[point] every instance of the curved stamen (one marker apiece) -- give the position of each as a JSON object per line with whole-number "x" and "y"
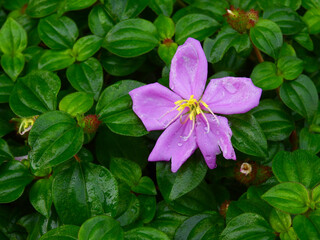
{"x": 207, "y": 107}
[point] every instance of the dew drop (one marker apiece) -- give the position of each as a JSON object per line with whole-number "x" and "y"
{"x": 179, "y": 144}
{"x": 230, "y": 88}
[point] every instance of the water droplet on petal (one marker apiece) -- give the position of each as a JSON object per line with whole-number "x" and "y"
{"x": 230, "y": 88}
{"x": 179, "y": 144}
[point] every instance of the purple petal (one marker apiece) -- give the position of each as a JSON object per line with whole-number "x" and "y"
{"x": 219, "y": 135}
{"x": 188, "y": 72}
{"x": 154, "y": 103}
{"x": 231, "y": 95}
{"x": 173, "y": 145}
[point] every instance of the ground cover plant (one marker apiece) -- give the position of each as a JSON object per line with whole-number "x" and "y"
{"x": 159, "y": 119}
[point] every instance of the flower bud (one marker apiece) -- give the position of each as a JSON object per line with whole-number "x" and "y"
{"x": 240, "y": 20}
{"x": 89, "y": 123}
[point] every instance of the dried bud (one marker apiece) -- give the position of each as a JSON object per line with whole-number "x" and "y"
{"x": 89, "y": 123}
{"x": 245, "y": 172}
{"x": 240, "y": 20}
{"x": 263, "y": 174}
{"x": 224, "y": 208}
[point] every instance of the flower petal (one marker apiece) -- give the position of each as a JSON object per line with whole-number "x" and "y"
{"x": 154, "y": 103}
{"x": 188, "y": 72}
{"x": 173, "y": 145}
{"x": 231, "y": 95}
{"x": 219, "y": 135}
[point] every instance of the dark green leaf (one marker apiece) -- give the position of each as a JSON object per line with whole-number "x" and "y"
{"x": 197, "y": 26}
{"x": 35, "y": 93}
{"x": 54, "y": 139}
{"x": 13, "y": 64}
{"x": 76, "y": 103}
{"x": 53, "y": 60}
{"x": 311, "y": 4}
{"x": 145, "y": 233}
{"x": 247, "y": 135}
{"x": 71, "y": 5}
{"x": 41, "y": 8}
{"x": 166, "y": 52}
{"x": 5, "y": 154}
{"x": 267, "y": 4}
{"x": 126, "y": 170}
{"x": 6, "y": 86}
{"x": 65, "y": 232}
{"x": 86, "y": 47}
{"x": 131, "y": 210}
{"x": 145, "y": 186}
{"x": 99, "y": 21}
{"x": 147, "y": 208}
{"x": 304, "y": 228}
{"x": 303, "y": 38}
{"x": 14, "y": 176}
{"x": 309, "y": 141}
{"x": 164, "y": 7}
{"x": 280, "y": 221}
{"x": 290, "y": 67}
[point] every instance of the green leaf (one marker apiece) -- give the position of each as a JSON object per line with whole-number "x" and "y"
{"x": 264, "y": 75}
{"x": 41, "y": 8}
{"x": 13, "y": 64}
{"x": 307, "y": 4}
{"x": 99, "y": 21}
{"x": 289, "y": 197}
{"x": 305, "y": 228}
{"x": 76, "y": 103}
{"x": 287, "y": 19}
{"x": 14, "y": 4}
{"x": 86, "y": 47}
{"x": 72, "y": 5}
{"x": 53, "y": 60}
{"x": 131, "y": 38}
{"x": 35, "y": 93}
{"x": 298, "y": 166}
{"x": 147, "y": 208}
{"x": 14, "y": 176}
{"x": 289, "y": 235}
{"x": 312, "y": 18}
{"x": 165, "y": 27}
{"x": 54, "y": 139}
{"x": 201, "y": 226}
{"x": 247, "y": 135}
{"x": 118, "y": 66}
{"x": 86, "y": 77}
{"x": 13, "y": 37}
{"x": 280, "y": 221}
{"x": 266, "y": 35}
{"x": 164, "y": 7}
{"x": 6, "y": 86}
{"x": 145, "y": 186}
{"x": 115, "y": 109}
{"x": 122, "y": 10}
{"x": 304, "y": 40}
{"x": 248, "y": 226}
{"x": 315, "y": 196}
{"x": 267, "y": 4}
{"x": 166, "y": 52}
{"x": 5, "y": 154}
{"x": 126, "y": 170}
{"x": 58, "y": 32}
{"x": 195, "y": 25}
{"x": 40, "y": 196}
{"x": 65, "y": 232}
{"x": 309, "y": 141}
{"x": 275, "y": 122}
{"x": 100, "y": 228}
{"x": 301, "y": 96}
{"x": 145, "y": 233}
{"x": 84, "y": 190}
{"x": 175, "y": 185}
{"x": 290, "y": 67}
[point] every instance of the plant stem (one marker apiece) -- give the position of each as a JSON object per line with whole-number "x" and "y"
{"x": 258, "y": 53}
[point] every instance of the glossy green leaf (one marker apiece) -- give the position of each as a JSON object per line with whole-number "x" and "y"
{"x": 280, "y": 221}
{"x": 309, "y": 141}
{"x": 41, "y": 8}
{"x": 5, "y": 154}
{"x": 175, "y": 185}
{"x": 289, "y": 235}
{"x": 71, "y": 5}
{"x": 84, "y": 190}
{"x": 76, "y": 103}
{"x": 86, "y": 77}
{"x": 165, "y": 27}
{"x": 201, "y": 226}
{"x": 100, "y": 228}
{"x": 131, "y": 38}
{"x": 13, "y": 37}
{"x": 115, "y": 109}
{"x": 246, "y": 226}
{"x": 274, "y": 120}
{"x": 289, "y": 197}
{"x": 86, "y": 47}
{"x": 247, "y": 135}
{"x": 54, "y": 138}
{"x": 14, "y": 4}
{"x": 14, "y": 176}
{"x": 99, "y": 21}
{"x": 145, "y": 186}
{"x": 122, "y": 10}
{"x": 40, "y": 196}
{"x": 197, "y": 26}
{"x": 311, "y": 4}
{"x": 305, "y": 228}
{"x": 164, "y": 7}
{"x": 312, "y": 18}
{"x": 147, "y": 208}
{"x": 303, "y": 38}
{"x": 266, "y": 35}
{"x": 265, "y": 76}
{"x": 6, "y": 86}
{"x": 53, "y": 60}
{"x": 118, "y": 66}
{"x": 126, "y": 170}
{"x": 287, "y": 19}
{"x": 58, "y": 32}
{"x": 315, "y": 196}
{"x": 301, "y": 96}
{"x": 13, "y": 64}
{"x": 290, "y": 67}
{"x": 166, "y": 52}
{"x": 267, "y": 4}
{"x": 65, "y": 232}
{"x": 131, "y": 210}
{"x": 35, "y": 93}
{"x": 145, "y": 233}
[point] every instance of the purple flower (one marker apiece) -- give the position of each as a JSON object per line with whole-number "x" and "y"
{"x": 187, "y": 113}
